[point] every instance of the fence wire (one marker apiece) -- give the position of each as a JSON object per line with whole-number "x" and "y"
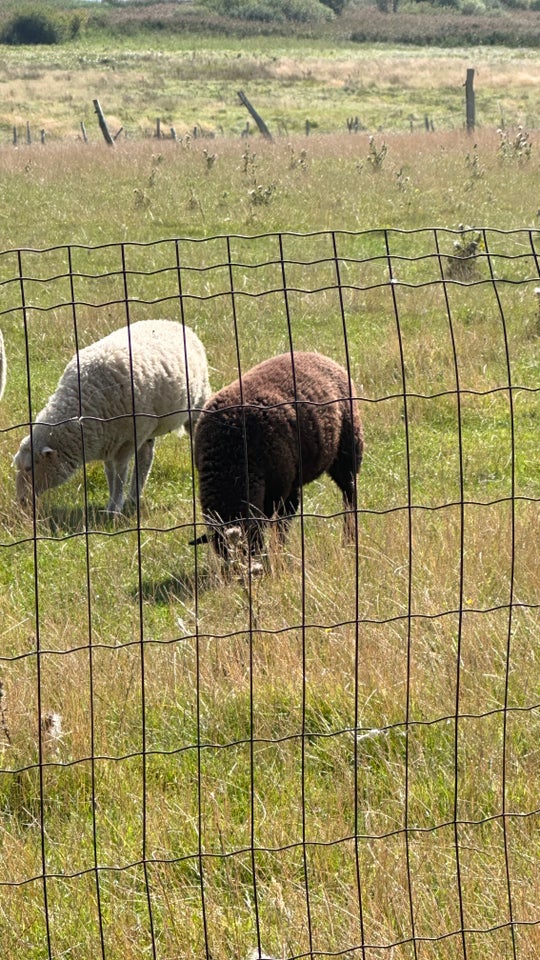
{"x": 334, "y": 757}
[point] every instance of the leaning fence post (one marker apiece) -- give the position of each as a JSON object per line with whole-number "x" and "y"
{"x": 83, "y": 131}
{"x": 257, "y": 118}
{"x": 102, "y": 123}
{"x": 469, "y": 100}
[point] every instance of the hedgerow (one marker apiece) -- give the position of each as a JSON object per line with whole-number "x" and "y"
{"x": 277, "y": 11}
{"x": 446, "y": 29}
{"x": 369, "y": 21}
{"x": 41, "y": 25}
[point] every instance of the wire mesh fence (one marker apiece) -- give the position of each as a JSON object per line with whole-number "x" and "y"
{"x": 335, "y": 753}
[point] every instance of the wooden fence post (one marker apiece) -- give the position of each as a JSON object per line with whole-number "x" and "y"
{"x": 469, "y": 100}
{"x": 102, "y": 123}
{"x": 257, "y": 118}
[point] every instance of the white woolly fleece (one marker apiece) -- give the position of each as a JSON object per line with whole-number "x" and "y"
{"x": 114, "y": 397}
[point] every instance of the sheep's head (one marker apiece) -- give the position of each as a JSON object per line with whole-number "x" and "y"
{"x": 238, "y": 543}
{"x": 42, "y": 474}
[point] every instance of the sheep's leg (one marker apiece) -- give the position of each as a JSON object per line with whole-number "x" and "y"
{"x": 286, "y": 510}
{"x": 116, "y": 473}
{"x": 145, "y": 456}
{"x": 345, "y": 479}
{"x": 344, "y": 473}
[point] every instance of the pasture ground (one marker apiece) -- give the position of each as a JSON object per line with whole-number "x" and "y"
{"x": 344, "y": 752}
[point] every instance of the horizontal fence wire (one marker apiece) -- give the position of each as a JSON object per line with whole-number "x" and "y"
{"x": 314, "y": 731}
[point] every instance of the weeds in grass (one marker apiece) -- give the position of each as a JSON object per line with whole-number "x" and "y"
{"x": 376, "y": 155}
{"x": 210, "y": 159}
{"x": 297, "y": 160}
{"x": 474, "y": 168}
{"x": 261, "y": 195}
{"x": 249, "y": 162}
{"x": 514, "y": 149}
{"x": 3, "y": 716}
{"x": 402, "y": 180}
{"x": 462, "y": 264}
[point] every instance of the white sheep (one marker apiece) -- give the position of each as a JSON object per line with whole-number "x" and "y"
{"x": 114, "y": 397}
{"x": 3, "y": 365}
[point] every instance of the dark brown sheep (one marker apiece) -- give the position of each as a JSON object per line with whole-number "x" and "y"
{"x": 293, "y": 417}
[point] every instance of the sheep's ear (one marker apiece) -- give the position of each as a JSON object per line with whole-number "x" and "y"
{"x": 48, "y": 452}
{"x": 202, "y": 539}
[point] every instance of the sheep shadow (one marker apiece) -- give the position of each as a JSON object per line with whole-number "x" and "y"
{"x": 181, "y": 587}
{"x": 70, "y": 520}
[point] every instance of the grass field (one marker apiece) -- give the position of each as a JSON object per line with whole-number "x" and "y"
{"x": 342, "y": 757}
{"x": 290, "y": 81}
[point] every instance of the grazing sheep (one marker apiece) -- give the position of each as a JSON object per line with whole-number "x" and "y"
{"x": 294, "y": 426}
{"x": 137, "y": 370}
{"x": 3, "y": 365}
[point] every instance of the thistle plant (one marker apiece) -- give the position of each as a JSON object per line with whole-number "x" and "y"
{"x": 248, "y": 161}
{"x": 461, "y": 265}
{"x": 516, "y": 148}
{"x": 472, "y": 162}
{"x": 402, "y": 180}
{"x": 210, "y": 159}
{"x": 261, "y": 195}
{"x": 376, "y": 155}
{"x": 297, "y": 160}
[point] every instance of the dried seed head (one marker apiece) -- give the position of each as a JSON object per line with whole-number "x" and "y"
{"x": 51, "y": 726}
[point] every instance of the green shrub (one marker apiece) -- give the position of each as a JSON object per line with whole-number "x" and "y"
{"x": 448, "y": 29}
{"x": 337, "y": 6}
{"x": 272, "y": 11}
{"x": 32, "y": 25}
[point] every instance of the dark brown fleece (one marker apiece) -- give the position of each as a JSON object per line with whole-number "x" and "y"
{"x": 292, "y": 426}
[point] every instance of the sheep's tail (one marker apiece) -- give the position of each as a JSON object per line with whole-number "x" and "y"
{"x": 3, "y": 365}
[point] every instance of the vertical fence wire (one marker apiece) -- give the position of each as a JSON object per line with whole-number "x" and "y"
{"x": 356, "y": 722}
{"x": 91, "y": 690}
{"x": 200, "y": 859}
{"x": 304, "y": 728}
{"x": 410, "y": 562}
{"x": 504, "y": 757}
{"x": 142, "y": 638}
{"x": 38, "y": 646}
{"x": 459, "y": 421}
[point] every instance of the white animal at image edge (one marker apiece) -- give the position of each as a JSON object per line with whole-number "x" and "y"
{"x": 115, "y": 396}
